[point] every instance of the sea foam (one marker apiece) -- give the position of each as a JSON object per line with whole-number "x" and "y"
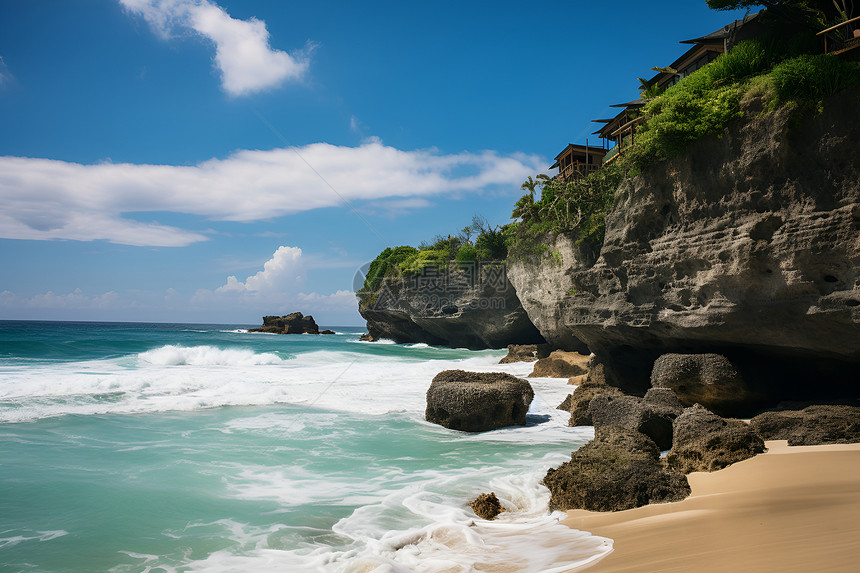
{"x": 172, "y": 355}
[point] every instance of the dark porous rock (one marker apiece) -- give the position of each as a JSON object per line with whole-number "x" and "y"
{"x": 478, "y": 401}
{"x": 665, "y": 398}
{"x": 487, "y": 506}
{"x": 617, "y": 470}
{"x": 525, "y": 353}
{"x": 294, "y": 323}
{"x": 367, "y": 337}
{"x": 823, "y": 424}
{"x": 652, "y": 416}
{"x": 561, "y": 364}
{"x": 705, "y": 442}
{"x": 577, "y": 403}
{"x": 328, "y": 332}
{"x": 707, "y": 379}
{"x": 736, "y": 247}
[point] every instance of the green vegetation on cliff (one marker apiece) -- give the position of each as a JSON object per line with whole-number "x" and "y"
{"x": 444, "y": 252}
{"x": 779, "y": 68}
{"x": 776, "y": 68}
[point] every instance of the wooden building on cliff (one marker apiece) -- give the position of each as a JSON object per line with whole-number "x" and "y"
{"x": 577, "y": 161}
{"x": 619, "y": 131}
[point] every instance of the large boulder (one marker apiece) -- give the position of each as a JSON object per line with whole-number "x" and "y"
{"x": 652, "y": 416}
{"x": 293, "y": 323}
{"x": 525, "y": 353}
{"x": 478, "y": 401}
{"x": 707, "y": 379}
{"x": 705, "y": 442}
{"x": 617, "y": 470}
{"x": 822, "y": 424}
{"x": 561, "y": 364}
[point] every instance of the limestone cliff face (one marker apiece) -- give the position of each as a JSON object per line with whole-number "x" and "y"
{"x": 475, "y": 307}
{"x": 748, "y": 245}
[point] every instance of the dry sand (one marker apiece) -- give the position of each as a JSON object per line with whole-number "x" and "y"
{"x": 790, "y": 509}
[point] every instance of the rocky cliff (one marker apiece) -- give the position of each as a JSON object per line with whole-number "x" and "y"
{"x": 472, "y": 307}
{"x": 747, "y": 246}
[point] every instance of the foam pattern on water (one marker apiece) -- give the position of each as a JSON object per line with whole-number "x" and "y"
{"x": 326, "y": 463}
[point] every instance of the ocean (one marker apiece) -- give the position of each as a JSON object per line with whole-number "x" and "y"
{"x": 130, "y": 447}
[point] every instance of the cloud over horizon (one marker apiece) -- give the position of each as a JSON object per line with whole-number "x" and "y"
{"x": 44, "y": 199}
{"x": 243, "y": 56}
{"x": 277, "y": 288}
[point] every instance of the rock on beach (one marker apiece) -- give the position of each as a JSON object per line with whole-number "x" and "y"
{"x": 478, "y": 401}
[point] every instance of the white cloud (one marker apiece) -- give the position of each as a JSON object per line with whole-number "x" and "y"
{"x": 242, "y": 53}
{"x": 276, "y": 288}
{"x": 340, "y": 300}
{"x": 394, "y": 208}
{"x": 282, "y": 272}
{"x": 48, "y": 199}
{"x": 49, "y": 300}
{"x": 5, "y": 75}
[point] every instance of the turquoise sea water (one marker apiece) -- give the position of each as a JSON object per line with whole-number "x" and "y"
{"x": 169, "y": 447}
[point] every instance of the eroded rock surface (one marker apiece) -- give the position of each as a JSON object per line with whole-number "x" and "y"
{"x": 617, "y": 470}
{"x": 705, "y": 442}
{"x": 746, "y": 246}
{"x": 525, "y": 353}
{"x": 814, "y": 425}
{"x": 561, "y": 364}
{"x": 478, "y": 401}
{"x": 473, "y": 308}
{"x": 707, "y": 379}
{"x": 652, "y": 416}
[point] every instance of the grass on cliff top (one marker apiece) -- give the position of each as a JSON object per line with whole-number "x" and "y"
{"x": 781, "y": 72}
{"x": 444, "y": 252}
{"x": 705, "y": 102}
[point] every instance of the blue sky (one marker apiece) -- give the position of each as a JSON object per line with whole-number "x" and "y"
{"x": 216, "y": 160}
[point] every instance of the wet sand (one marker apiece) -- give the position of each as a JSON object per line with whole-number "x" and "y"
{"x": 790, "y": 509}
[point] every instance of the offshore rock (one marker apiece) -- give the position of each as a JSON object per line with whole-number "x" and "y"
{"x": 294, "y": 323}
{"x": 478, "y": 401}
{"x": 705, "y": 442}
{"x": 822, "y": 424}
{"x": 475, "y": 307}
{"x": 748, "y": 246}
{"x": 617, "y": 470}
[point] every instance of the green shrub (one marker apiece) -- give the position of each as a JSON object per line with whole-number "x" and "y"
{"x": 450, "y": 244}
{"x": 467, "y": 254}
{"x": 492, "y": 245}
{"x": 577, "y": 206}
{"x": 387, "y": 263}
{"x": 424, "y": 259}
{"x": 808, "y": 79}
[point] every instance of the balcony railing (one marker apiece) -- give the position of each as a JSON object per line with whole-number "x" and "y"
{"x": 850, "y": 37}
{"x": 577, "y": 170}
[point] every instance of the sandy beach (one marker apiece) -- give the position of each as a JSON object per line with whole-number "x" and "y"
{"x": 790, "y": 509}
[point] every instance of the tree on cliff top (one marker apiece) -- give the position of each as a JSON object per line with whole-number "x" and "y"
{"x": 811, "y": 12}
